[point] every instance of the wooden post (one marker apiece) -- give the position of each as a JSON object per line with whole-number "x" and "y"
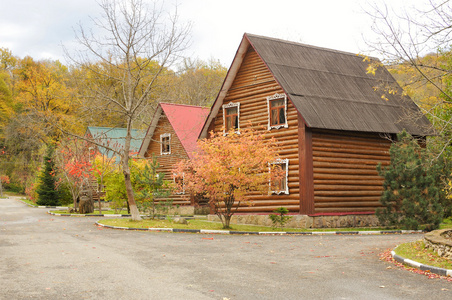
{"x": 306, "y": 172}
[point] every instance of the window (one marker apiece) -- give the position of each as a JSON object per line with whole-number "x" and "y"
{"x": 179, "y": 183}
{"x": 165, "y": 141}
{"x": 231, "y": 115}
{"x": 277, "y": 111}
{"x": 279, "y": 185}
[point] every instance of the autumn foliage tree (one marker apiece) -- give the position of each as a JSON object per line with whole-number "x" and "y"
{"x": 229, "y": 166}
{"x": 74, "y": 159}
{"x": 198, "y": 82}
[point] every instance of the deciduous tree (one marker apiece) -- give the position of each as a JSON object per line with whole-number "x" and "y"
{"x": 74, "y": 160}
{"x": 416, "y": 44}
{"x": 198, "y": 82}
{"x": 133, "y": 37}
{"x": 227, "y": 167}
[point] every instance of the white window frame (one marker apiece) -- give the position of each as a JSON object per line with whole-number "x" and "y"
{"x": 280, "y": 162}
{"x": 277, "y": 97}
{"x": 183, "y": 183}
{"x": 164, "y": 135}
{"x": 230, "y": 105}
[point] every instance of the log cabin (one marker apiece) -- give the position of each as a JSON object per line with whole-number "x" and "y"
{"x": 332, "y": 119}
{"x": 113, "y": 138}
{"x": 171, "y": 137}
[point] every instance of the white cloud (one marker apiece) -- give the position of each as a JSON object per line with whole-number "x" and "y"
{"x": 38, "y": 28}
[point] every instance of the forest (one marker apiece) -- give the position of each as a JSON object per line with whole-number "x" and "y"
{"x": 42, "y": 103}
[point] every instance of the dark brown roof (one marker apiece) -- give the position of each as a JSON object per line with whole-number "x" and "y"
{"x": 332, "y": 90}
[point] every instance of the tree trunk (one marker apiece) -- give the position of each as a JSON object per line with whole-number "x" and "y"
{"x": 86, "y": 205}
{"x": 135, "y": 214}
{"x": 98, "y": 201}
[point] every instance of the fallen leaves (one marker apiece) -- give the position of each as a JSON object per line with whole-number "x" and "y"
{"x": 386, "y": 256}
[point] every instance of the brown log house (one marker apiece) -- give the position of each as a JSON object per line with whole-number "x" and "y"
{"x": 332, "y": 119}
{"x": 171, "y": 137}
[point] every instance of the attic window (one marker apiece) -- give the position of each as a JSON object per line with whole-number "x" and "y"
{"x": 231, "y": 115}
{"x": 277, "y": 111}
{"x": 280, "y": 185}
{"x": 165, "y": 141}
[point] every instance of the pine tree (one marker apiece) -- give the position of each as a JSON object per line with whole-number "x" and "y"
{"x": 48, "y": 193}
{"x": 412, "y": 187}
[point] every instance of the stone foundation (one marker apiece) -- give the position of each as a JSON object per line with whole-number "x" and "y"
{"x": 440, "y": 241}
{"x": 304, "y": 221}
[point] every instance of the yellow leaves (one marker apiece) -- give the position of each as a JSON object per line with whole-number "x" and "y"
{"x": 365, "y": 57}
{"x": 371, "y": 69}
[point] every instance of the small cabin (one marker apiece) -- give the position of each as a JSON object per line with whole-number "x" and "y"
{"x": 171, "y": 137}
{"x": 114, "y": 138}
{"x": 332, "y": 120}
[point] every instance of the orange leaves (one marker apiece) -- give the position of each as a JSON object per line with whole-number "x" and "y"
{"x": 4, "y": 179}
{"x": 75, "y": 160}
{"x": 229, "y": 165}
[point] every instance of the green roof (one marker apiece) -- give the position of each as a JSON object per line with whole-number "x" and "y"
{"x": 115, "y": 138}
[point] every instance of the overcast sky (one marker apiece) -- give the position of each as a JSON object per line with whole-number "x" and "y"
{"x": 39, "y": 28}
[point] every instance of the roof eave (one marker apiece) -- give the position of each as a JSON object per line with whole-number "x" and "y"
{"x": 150, "y": 131}
{"x": 230, "y": 76}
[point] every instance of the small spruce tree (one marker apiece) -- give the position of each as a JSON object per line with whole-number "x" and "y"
{"x": 412, "y": 187}
{"x": 48, "y": 193}
{"x": 150, "y": 185}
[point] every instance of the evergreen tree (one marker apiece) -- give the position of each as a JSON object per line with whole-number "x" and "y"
{"x": 48, "y": 193}
{"x": 412, "y": 187}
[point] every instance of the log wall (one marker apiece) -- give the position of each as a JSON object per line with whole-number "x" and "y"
{"x": 344, "y": 169}
{"x": 167, "y": 161}
{"x": 251, "y": 87}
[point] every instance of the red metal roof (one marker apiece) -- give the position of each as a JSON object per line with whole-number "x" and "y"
{"x": 186, "y": 120}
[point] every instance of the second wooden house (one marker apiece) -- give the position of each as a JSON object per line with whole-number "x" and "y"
{"x": 332, "y": 120}
{"x": 171, "y": 137}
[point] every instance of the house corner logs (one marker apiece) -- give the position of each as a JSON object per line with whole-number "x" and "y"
{"x": 306, "y": 179}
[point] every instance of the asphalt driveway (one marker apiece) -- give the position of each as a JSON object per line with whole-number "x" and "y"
{"x": 48, "y": 257}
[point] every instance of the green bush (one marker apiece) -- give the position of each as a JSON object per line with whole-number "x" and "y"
{"x": 149, "y": 187}
{"x": 280, "y": 219}
{"x": 65, "y": 194}
{"x": 15, "y": 187}
{"x": 413, "y": 191}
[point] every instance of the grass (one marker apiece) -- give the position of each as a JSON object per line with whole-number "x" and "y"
{"x": 208, "y": 225}
{"x": 447, "y": 223}
{"x": 96, "y": 212}
{"x": 28, "y": 202}
{"x": 416, "y": 251}
{"x": 192, "y": 224}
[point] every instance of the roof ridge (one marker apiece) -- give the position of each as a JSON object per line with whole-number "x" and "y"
{"x": 306, "y": 45}
{"x": 179, "y": 104}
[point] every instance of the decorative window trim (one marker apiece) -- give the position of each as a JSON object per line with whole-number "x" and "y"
{"x": 164, "y": 135}
{"x": 280, "y": 162}
{"x": 230, "y": 105}
{"x": 277, "y": 97}
{"x": 183, "y": 183}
